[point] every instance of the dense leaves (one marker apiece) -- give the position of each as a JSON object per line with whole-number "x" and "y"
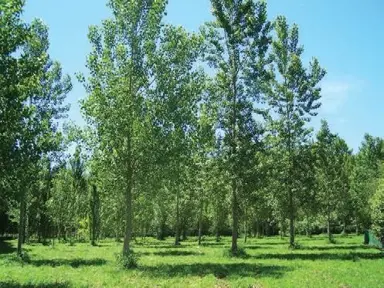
{"x": 187, "y": 134}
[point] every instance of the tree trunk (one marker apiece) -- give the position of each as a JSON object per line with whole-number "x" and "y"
{"x": 258, "y": 232}
{"x": 184, "y": 234}
{"x": 200, "y": 222}
{"x": 20, "y": 239}
{"x": 177, "y": 228}
{"x": 245, "y": 225}
{"x": 217, "y": 221}
{"x": 245, "y": 231}
{"x": 308, "y": 230}
{"x": 217, "y": 235}
{"x": 235, "y": 219}
{"x": 344, "y": 227}
{"x": 329, "y": 229}
{"x": 26, "y": 225}
{"x": 291, "y": 221}
{"x": 129, "y": 215}
{"x": 94, "y": 215}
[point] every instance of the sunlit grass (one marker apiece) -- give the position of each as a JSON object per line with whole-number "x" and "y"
{"x": 268, "y": 263}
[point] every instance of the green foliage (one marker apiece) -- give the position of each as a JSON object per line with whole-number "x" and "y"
{"x": 377, "y": 208}
{"x": 239, "y": 253}
{"x": 127, "y": 260}
{"x": 172, "y": 148}
{"x": 293, "y": 95}
{"x": 236, "y": 47}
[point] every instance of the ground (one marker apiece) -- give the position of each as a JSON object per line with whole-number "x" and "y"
{"x": 268, "y": 263}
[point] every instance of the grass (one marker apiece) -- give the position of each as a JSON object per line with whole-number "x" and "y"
{"x": 268, "y": 263}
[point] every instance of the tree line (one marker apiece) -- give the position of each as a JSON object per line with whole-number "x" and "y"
{"x": 205, "y": 133}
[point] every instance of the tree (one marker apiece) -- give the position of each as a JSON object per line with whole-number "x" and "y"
{"x": 94, "y": 215}
{"x": 377, "y": 212}
{"x": 237, "y": 43}
{"x": 294, "y": 97}
{"x": 119, "y": 78}
{"x": 364, "y": 178}
{"x": 333, "y": 183}
{"x": 37, "y": 132}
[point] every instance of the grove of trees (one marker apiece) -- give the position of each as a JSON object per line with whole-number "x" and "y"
{"x": 187, "y": 134}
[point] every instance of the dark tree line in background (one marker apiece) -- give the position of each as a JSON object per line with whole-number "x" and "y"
{"x": 172, "y": 148}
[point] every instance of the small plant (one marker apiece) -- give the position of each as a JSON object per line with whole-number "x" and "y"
{"x": 23, "y": 258}
{"x": 332, "y": 240}
{"x": 295, "y": 246}
{"x": 72, "y": 241}
{"x": 240, "y": 253}
{"x": 127, "y": 260}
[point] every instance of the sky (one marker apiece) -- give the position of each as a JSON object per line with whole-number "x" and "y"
{"x": 345, "y": 35}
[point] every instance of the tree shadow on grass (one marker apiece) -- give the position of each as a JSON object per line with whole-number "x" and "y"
{"x": 75, "y": 263}
{"x": 353, "y": 256}
{"x": 272, "y": 243}
{"x": 218, "y": 270}
{"x": 209, "y": 244}
{"x": 172, "y": 253}
{"x": 177, "y": 253}
{"x": 12, "y": 284}
{"x": 161, "y": 246}
{"x": 6, "y": 247}
{"x": 255, "y": 247}
{"x": 345, "y": 247}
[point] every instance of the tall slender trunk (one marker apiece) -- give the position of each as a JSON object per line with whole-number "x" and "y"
{"x": 329, "y": 227}
{"x": 217, "y": 234}
{"x": 291, "y": 220}
{"x": 184, "y": 234}
{"x": 217, "y": 221}
{"x": 94, "y": 216}
{"x": 245, "y": 231}
{"x": 308, "y": 229}
{"x": 177, "y": 228}
{"x": 26, "y": 225}
{"x": 129, "y": 214}
{"x": 245, "y": 225}
{"x": 200, "y": 221}
{"x": 258, "y": 232}
{"x": 235, "y": 220}
{"x": 344, "y": 227}
{"x": 20, "y": 239}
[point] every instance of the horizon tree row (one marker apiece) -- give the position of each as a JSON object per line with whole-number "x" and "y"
{"x": 172, "y": 147}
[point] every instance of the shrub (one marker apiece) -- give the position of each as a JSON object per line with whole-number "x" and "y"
{"x": 127, "y": 260}
{"x": 240, "y": 253}
{"x": 295, "y": 245}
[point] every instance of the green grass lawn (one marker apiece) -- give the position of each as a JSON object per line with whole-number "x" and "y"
{"x": 269, "y": 264}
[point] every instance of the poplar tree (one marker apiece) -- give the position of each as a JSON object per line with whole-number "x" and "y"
{"x": 237, "y": 44}
{"x": 294, "y": 97}
{"x": 117, "y": 104}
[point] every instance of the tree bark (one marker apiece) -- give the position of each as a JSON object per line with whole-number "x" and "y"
{"x": 344, "y": 227}
{"x": 200, "y": 221}
{"x": 177, "y": 228}
{"x": 245, "y": 231}
{"x": 93, "y": 215}
{"x": 308, "y": 230}
{"x": 129, "y": 215}
{"x": 291, "y": 220}
{"x": 20, "y": 239}
{"x": 235, "y": 220}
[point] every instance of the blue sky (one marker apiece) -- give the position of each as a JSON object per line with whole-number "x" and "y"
{"x": 345, "y": 35}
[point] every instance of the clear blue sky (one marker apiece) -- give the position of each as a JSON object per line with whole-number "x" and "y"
{"x": 345, "y": 35}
